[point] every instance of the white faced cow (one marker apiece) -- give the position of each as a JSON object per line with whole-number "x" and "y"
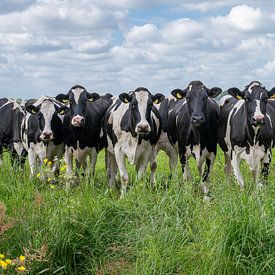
{"x": 133, "y": 127}
{"x": 42, "y": 131}
{"x": 245, "y": 131}
{"x": 11, "y": 114}
{"x": 192, "y": 128}
{"x": 82, "y": 125}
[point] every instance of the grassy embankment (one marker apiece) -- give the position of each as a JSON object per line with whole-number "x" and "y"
{"x": 86, "y": 230}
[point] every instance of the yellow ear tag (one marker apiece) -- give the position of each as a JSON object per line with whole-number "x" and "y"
{"x": 65, "y": 100}
{"x": 156, "y": 101}
{"x": 179, "y": 96}
{"x": 62, "y": 112}
{"x": 91, "y": 99}
{"x": 273, "y": 96}
{"x": 126, "y": 100}
{"x": 33, "y": 111}
{"x": 239, "y": 97}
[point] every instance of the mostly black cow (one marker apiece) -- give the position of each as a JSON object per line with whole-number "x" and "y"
{"x": 11, "y": 114}
{"x": 246, "y": 131}
{"x": 133, "y": 127}
{"x": 42, "y": 131}
{"x": 164, "y": 143}
{"x": 82, "y": 125}
{"x": 192, "y": 128}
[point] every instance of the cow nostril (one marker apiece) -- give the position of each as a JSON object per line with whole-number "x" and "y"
{"x": 143, "y": 128}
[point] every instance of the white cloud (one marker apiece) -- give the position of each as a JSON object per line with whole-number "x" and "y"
{"x": 49, "y": 45}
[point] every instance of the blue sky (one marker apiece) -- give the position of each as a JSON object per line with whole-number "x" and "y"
{"x": 47, "y": 46}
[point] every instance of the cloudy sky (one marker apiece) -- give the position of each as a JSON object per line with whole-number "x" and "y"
{"x": 47, "y": 46}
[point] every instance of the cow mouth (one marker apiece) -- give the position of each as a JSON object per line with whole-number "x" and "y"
{"x": 143, "y": 133}
{"x": 77, "y": 125}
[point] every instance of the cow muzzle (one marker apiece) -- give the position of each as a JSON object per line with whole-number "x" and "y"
{"x": 78, "y": 121}
{"x": 258, "y": 120}
{"x": 46, "y": 136}
{"x": 143, "y": 128}
{"x": 197, "y": 120}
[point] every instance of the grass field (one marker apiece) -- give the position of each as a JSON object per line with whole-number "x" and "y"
{"x": 87, "y": 230}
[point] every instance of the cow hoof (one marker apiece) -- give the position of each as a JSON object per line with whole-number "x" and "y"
{"x": 206, "y": 198}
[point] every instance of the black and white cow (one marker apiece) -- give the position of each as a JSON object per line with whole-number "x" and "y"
{"x": 192, "y": 128}
{"x": 164, "y": 143}
{"x": 133, "y": 127}
{"x": 270, "y": 110}
{"x": 11, "y": 115}
{"x": 245, "y": 131}
{"x": 82, "y": 126}
{"x": 42, "y": 131}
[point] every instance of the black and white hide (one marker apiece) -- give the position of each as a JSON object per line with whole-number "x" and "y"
{"x": 192, "y": 128}
{"x": 42, "y": 132}
{"x": 82, "y": 126}
{"x": 11, "y": 115}
{"x": 246, "y": 131}
{"x": 133, "y": 127}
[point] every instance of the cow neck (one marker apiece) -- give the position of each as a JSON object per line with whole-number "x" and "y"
{"x": 194, "y": 135}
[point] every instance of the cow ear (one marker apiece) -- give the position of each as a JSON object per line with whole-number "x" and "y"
{"x": 178, "y": 93}
{"x": 32, "y": 109}
{"x": 62, "y": 110}
{"x": 214, "y": 92}
{"x": 157, "y": 98}
{"x": 124, "y": 97}
{"x": 271, "y": 93}
{"x": 62, "y": 98}
{"x": 235, "y": 92}
{"x": 93, "y": 96}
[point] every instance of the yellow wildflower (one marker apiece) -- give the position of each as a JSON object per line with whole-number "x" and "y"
{"x": 21, "y": 268}
{"x": 45, "y": 160}
{"x": 49, "y": 179}
{"x": 52, "y": 186}
{"x": 8, "y": 261}
{"x": 4, "y": 265}
{"x": 50, "y": 163}
{"x": 2, "y": 256}
{"x": 38, "y": 175}
{"x": 63, "y": 168}
{"x": 22, "y": 258}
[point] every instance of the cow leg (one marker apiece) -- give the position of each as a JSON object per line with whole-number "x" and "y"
{"x": 68, "y": 160}
{"x": 236, "y": 160}
{"x": 173, "y": 159}
{"x": 183, "y": 162}
{"x": 209, "y": 162}
{"x": 1, "y": 154}
{"x": 32, "y": 160}
{"x": 93, "y": 159}
{"x": 153, "y": 166}
{"x": 112, "y": 169}
{"x": 120, "y": 159}
{"x": 265, "y": 167}
{"x": 227, "y": 167}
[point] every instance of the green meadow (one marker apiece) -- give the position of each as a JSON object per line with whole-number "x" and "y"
{"x": 162, "y": 229}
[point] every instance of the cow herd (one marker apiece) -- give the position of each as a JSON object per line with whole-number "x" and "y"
{"x": 137, "y": 124}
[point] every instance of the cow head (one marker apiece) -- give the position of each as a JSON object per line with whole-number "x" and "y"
{"x": 47, "y": 113}
{"x": 196, "y": 95}
{"x": 140, "y": 106}
{"x": 255, "y": 98}
{"x": 77, "y": 99}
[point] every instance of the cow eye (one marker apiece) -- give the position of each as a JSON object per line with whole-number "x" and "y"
{"x": 188, "y": 99}
{"x": 265, "y": 99}
{"x": 85, "y": 101}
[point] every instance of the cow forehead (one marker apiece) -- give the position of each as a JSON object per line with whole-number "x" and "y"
{"x": 47, "y": 108}
{"x": 142, "y": 96}
{"x": 253, "y": 85}
{"x": 76, "y": 92}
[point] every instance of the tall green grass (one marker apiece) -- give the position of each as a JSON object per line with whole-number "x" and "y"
{"x": 153, "y": 230}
